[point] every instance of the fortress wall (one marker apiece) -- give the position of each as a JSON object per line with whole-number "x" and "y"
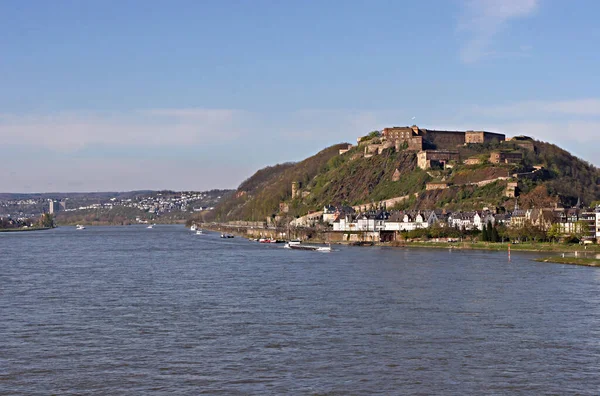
{"x": 444, "y": 139}
{"x": 398, "y": 133}
{"x": 483, "y": 137}
{"x": 415, "y": 143}
{"x": 424, "y": 158}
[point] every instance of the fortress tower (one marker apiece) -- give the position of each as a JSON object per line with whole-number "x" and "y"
{"x": 295, "y": 190}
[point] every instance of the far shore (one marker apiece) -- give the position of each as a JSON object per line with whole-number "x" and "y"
{"x": 25, "y": 229}
{"x": 109, "y": 224}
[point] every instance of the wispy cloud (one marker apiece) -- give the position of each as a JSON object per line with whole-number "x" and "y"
{"x": 205, "y": 148}
{"x": 184, "y": 127}
{"x": 69, "y": 131}
{"x": 163, "y": 148}
{"x": 483, "y": 20}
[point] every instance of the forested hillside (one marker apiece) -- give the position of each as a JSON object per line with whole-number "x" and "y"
{"x": 547, "y": 175}
{"x": 259, "y": 196}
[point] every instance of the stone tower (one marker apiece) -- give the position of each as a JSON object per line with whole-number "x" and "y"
{"x": 295, "y": 190}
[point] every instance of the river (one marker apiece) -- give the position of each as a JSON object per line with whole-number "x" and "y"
{"x": 130, "y": 310}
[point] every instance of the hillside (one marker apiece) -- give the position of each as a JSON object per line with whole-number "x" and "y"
{"x": 259, "y": 196}
{"x": 546, "y": 175}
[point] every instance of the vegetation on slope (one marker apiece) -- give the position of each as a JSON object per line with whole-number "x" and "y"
{"x": 570, "y": 177}
{"x": 547, "y": 175}
{"x": 259, "y": 196}
{"x": 347, "y": 180}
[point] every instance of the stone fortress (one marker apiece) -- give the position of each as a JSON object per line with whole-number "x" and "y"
{"x": 434, "y": 147}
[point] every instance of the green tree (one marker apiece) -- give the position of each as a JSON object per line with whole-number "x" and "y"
{"x": 47, "y": 220}
{"x": 502, "y": 231}
{"x": 484, "y": 234}
{"x": 581, "y": 230}
{"x": 553, "y": 233}
{"x": 493, "y": 232}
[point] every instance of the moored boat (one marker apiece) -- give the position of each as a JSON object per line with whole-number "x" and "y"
{"x": 299, "y": 246}
{"x": 79, "y": 227}
{"x": 194, "y": 227}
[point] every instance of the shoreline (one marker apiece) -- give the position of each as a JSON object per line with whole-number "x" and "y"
{"x": 582, "y": 261}
{"x": 109, "y": 224}
{"x": 25, "y": 229}
{"x": 499, "y": 247}
{"x": 536, "y": 247}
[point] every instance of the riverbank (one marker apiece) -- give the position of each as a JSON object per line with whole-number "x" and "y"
{"x": 500, "y": 247}
{"x": 320, "y": 237}
{"x": 588, "y": 262}
{"x": 115, "y": 224}
{"x": 25, "y": 229}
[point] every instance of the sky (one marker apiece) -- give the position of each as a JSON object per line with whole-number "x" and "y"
{"x": 193, "y": 95}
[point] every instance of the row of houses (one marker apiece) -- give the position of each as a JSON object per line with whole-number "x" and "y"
{"x": 412, "y": 220}
{"x": 578, "y": 220}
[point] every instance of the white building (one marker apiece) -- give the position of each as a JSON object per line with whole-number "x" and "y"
{"x": 329, "y": 214}
{"x": 598, "y": 222}
{"x": 411, "y": 221}
{"x": 462, "y": 220}
{"x": 344, "y": 223}
{"x": 481, "y": 219}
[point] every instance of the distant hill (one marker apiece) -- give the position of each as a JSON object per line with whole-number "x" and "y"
{"x": 75, "y": 195}
{"x": 547, "y": 175}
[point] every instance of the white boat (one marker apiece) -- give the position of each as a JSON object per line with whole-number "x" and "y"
{"x": 199, "y": 232}
{"x": 193, "y": 227}
{"x": 150, "y": 226}
{"x": 79, "y": 227}
{"x": 267, "y": 240}
{"x": 298, "y": 246}
{"x": 226, "y": 236}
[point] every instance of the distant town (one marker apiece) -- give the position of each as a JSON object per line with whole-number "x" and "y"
{"x": 140, "y": 206}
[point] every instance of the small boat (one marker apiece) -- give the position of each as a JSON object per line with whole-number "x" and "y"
{"x": 268, "y": 240}
{"x": 294, "y": 242}
{"x": 198, "y": 232}
{"x": 79, "y": 227}
{"x": 193, "y": 227}
{"x": 314, "y": 248}
{"x": 226, "y": 236}
{"x": 150, "y": 226}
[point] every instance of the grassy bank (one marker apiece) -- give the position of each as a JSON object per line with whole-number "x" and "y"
{"x": 588, "y": 262}
{"x": 24, "y": 229}
{"x": 523, "y": 247}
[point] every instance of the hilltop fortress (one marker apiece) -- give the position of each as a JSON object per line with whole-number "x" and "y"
{"x": 432, "y": 146}
{"x": 418, "y": 139}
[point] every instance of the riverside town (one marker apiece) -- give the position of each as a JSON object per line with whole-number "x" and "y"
{"x": 453, "y": 165}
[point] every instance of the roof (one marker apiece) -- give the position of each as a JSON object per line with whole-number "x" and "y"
{"x": 518, "y": 213}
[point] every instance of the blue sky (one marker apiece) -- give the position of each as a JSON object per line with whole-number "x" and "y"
{"x": 122, "y": 95}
